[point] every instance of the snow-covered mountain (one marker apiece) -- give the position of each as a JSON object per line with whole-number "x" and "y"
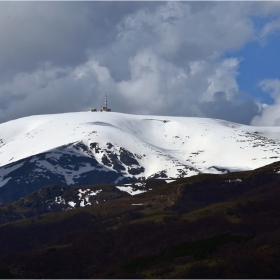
{"x": 101, "y": 147}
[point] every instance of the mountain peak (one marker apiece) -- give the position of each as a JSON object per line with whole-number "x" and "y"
{"x": 88, "y": 147}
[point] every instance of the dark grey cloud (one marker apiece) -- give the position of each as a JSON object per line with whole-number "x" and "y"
{"x": 161, "y": 58}
{"x": 35, "y": 32}
{"x": 239, "y": 110}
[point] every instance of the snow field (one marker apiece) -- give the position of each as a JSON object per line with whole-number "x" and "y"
{"x": 159, "y": 143}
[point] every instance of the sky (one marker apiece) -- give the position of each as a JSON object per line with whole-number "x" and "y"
{"x": 191, "y": 59}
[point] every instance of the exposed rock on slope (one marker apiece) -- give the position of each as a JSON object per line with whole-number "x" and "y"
{"x": 91, "y": 148}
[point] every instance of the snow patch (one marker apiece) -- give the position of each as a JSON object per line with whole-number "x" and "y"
{"x": 84, "y": 196}
{"x": 95, "y": 192}
{"x": 4, "y": 182}
{"x": 7, "y": 169}
{"x": 130, "y": 190}
{"x": 59, "y": 200}
{"x": 165, "y": 147}
{"x": 169, "y": 180}
{"x": 237, "y": 180}
{"x": 71, "y": 203}
{"x": 140, "y": 184}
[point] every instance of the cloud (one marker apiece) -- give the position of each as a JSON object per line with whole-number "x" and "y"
{"x": 33, "y": 33}
{"x": 270, "y": 27}
{"x": 240, "y": 109}
{"x": 164, "y": 58}
{"x": 52, "y": 89}
{"x": 155, "y": 86}
{"x": 159, "y": 87}
{"x": 179, "y": 32}
{"x": 223, "y": 80}
{"x": 270, "y": 115}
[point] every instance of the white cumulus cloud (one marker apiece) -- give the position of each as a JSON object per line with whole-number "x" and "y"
{"x": 270, "y": 114}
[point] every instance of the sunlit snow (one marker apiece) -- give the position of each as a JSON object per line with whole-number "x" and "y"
{"x": 130, "y": 190}
{"x": 59, "y": 200}
{"x": 166, "y": 147}
{"x": 72, "y": 203}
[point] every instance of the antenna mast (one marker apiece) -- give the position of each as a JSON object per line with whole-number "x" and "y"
{"x": 105, "y": 100}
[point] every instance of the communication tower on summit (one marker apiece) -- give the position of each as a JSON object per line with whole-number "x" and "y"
{"x": 105, "y": 101}
{"x": 105, "y": 108}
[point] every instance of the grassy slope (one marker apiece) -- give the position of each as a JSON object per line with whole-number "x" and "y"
{"x": 198, "y": 227}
